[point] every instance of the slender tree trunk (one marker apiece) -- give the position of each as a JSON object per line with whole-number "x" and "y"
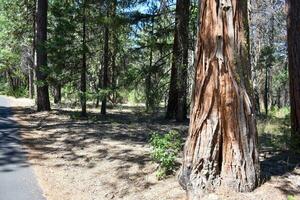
{"x": 177, "y": 102}
{"x": 173, "y": 90}
{"x": 57, "y": 93}
{"x": 34, "y": 52}
{"x": 105, "y": 64}
{"x": 33, "y": 55}
{"x": 43, "y": 103}
{"x": 84, "y": 66}
{"x": 148, "y": 79}
{"x": 30, "y": 82}
{"x": 221, "y": 149}
{"x": 266, "y": 92}
{"x": 294, "y": 68}
{"x": 114, "y": 70}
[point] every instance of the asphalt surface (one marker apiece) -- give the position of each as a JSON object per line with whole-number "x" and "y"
{"x": 17, "y": 180}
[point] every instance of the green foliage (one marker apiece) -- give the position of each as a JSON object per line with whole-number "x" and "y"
{"x": 135, "y": 96}
{"x": 291, "y": 197}
{"x": 274, "y": 131}
{"x": 165, "y": 149}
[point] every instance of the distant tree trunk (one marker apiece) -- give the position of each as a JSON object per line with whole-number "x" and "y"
{"x": 105, "y": 64}
{"x": 57, "y": 93}
{"x": 83, "y": 69}
{"x": 177, "y": 102}
{"x": 30, "y": 83}
{"x": 33, "y": 55}
{"x": 11, "y": 81}
{"x": 173, "y": 89}
{"x": 270, "y": 61}
{"x": 148, "y": 79}
{"x": 266, "y": 90}
{"x": 114, "y": 70}
{"x": 294, "y": 67}
{"x": 43, "y": 103}
{"x": 221, "y": 149}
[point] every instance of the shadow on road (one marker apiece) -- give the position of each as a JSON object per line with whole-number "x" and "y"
{"x": 12, "y": 155}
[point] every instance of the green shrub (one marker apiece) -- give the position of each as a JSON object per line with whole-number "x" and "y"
{"x": 164, "y": 150}
{"x": 290, "y": 197}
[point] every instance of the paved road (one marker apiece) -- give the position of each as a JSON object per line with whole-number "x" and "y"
{"x": 17, "y": 180}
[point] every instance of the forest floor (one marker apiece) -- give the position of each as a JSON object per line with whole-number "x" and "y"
{"x": 108, "y": 157}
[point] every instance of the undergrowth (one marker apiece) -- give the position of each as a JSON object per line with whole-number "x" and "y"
{"x": 165, "y": 148}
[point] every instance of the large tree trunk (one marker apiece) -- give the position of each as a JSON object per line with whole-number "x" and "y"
{"x": 221, "y": 149}
{"x": 43, "y": 103}
{"x": 294, "y": 67}
{"x": 83, "y": 67}
{"x": 177, "y": 102}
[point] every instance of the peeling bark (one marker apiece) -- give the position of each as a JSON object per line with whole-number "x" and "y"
{"x": 221, "y": 149}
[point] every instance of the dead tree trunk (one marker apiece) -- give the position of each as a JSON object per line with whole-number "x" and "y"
{"x": 294, "y": 68}
{"x": 221, "y": 149}
{"x": 43, "y": 102}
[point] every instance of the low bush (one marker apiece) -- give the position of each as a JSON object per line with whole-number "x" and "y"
{"x": 164, "y": 150}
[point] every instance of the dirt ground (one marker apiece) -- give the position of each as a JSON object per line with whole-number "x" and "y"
{"x": 108, "y": 158}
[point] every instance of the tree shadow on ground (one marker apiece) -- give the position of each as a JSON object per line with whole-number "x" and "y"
{"x": 117, "y": 142}
{"x": 276, "y": 159}
{"x": 72, "y": 137}
{"x": 83, "y": 142}
{"x": 283, "y": 164}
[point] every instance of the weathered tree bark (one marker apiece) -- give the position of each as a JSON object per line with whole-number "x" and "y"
{"x": 221, "y": 149}
{"x": 177, "y": 102}
{"x": 84, "y": 66}
{"x": 105, "y": 64}
{"x": 43, "y": 102}
{"x": 294, "y": 67}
